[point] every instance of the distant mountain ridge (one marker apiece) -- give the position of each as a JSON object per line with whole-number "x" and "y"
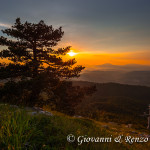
{"x": 128, "y": 67}
{"x": 131, "y": 74}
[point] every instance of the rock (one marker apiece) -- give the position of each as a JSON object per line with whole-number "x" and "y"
{"x": 33, "y": 110}
{"x": 41, "y": 112}
{"x": 48, "y": 113}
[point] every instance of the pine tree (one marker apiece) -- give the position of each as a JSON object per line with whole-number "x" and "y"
{"x": 31, "y": 46}
{"x": 30, "y": 49}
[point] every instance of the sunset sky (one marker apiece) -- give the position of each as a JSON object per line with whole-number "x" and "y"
{"x": 100, "y": 31}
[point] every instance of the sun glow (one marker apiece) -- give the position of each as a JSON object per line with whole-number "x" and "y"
{"x": 71, "y": 53}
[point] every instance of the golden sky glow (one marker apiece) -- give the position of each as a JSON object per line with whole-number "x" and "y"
{"x": 93, "y": 58}
{"x": 90, "y": 59}
{"x": 120, "y": 55}
{"x": 116, "y": 32}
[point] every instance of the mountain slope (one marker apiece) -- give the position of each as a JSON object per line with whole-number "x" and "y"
{"x": 116, "y": 102}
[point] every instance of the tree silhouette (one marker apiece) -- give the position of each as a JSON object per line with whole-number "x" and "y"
{"x": 31, "y": 46}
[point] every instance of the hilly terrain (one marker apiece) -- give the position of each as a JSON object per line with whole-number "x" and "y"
{"x": 113, "y": 102}
{"x": 124, "y": 74}
{"x": 123, "y": 77}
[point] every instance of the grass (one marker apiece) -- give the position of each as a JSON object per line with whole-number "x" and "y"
{"x": 21, "y": 131}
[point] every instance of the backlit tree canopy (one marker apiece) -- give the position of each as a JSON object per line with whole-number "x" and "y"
{"x": 31, "y": 46}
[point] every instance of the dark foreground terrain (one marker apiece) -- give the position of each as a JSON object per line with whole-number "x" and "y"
{"x": 114, "y": 102}
{"x": 23, "y": 129}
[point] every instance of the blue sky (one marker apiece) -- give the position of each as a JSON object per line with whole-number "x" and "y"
{"x": 101, "y": 26}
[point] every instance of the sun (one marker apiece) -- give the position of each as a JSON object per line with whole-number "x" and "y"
{"x": 71, "y": 53}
